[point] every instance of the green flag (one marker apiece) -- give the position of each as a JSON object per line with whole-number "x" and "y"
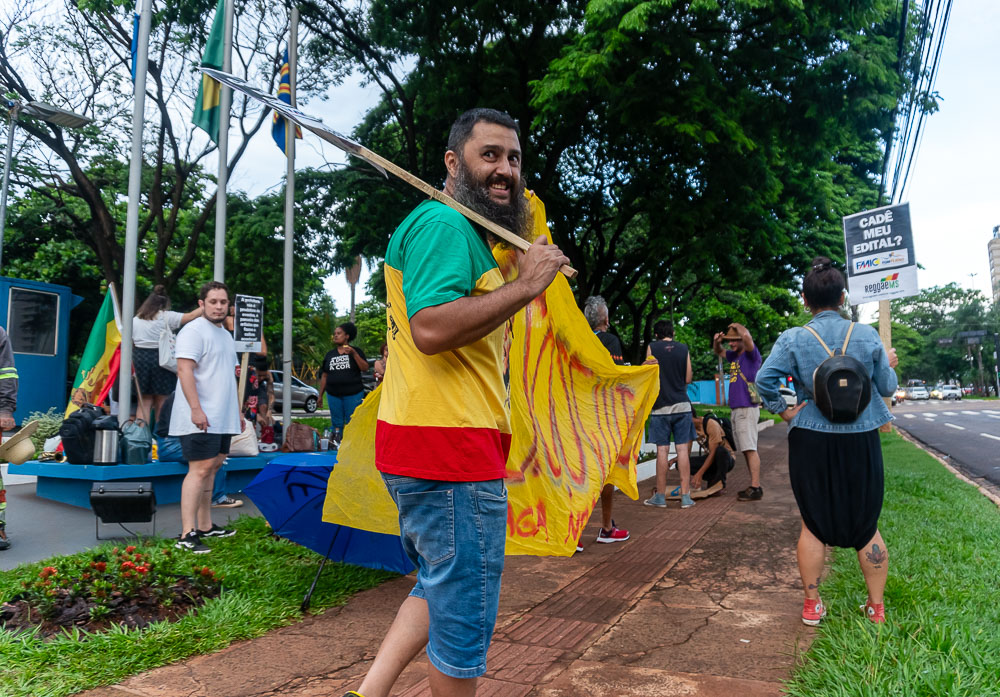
{"x": 206, "y": 106}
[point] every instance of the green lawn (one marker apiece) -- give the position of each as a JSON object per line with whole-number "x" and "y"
{"x": 942, "y": 637}
{"x": 265, "y": 580}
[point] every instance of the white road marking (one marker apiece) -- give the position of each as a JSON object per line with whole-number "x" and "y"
{"x": 990, "y": 435}
{"x": 973, "y": 413}
{"x": 957, "y": 428}
{"x": 950, "y": 413}
{"x": 909, "y": 416}
{"x": 990, "y": 411}
{"x": 993, "y": 416}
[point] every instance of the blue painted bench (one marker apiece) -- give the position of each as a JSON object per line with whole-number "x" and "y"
{"x": 71, "y": 484}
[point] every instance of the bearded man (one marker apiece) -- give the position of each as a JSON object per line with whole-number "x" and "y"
{"x": 443, "y": 430}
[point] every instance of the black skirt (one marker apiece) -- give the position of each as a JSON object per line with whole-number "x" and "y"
{"x": 838, "y": 482}
{"x": 152, "y": 378}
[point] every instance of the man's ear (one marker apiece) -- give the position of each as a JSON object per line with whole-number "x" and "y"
{"x": 451, "y": 163}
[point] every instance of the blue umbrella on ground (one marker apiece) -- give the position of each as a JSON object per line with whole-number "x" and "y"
{"x": 290, "y": 492}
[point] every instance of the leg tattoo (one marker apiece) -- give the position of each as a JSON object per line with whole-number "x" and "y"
{"x": 877, "y": 556}
{"x": 814, "y": 585}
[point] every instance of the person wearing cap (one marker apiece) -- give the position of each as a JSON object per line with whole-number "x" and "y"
{"x": 743, "y": 360}
{"x": 8, "y": 403}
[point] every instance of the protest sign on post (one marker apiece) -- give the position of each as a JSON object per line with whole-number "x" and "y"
{"x": 881, "y": 264}
{"x": 248, "y": 323}
{"x": 248, "y": 331}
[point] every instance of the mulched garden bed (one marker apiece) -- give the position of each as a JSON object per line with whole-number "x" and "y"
{"x": 136, "y": 612}
{"x": 131, "y": 588}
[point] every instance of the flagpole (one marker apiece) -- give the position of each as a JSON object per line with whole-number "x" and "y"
{"x": 132, "y": 215}
{"x": 286, "y": 335}
{"x": 225, "y": 106}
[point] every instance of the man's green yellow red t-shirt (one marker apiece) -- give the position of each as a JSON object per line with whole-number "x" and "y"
{"x": 445, "y": 416}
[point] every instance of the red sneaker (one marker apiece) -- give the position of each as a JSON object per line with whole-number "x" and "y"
{"x": 615, "y": 534}
{"x": 813, "y": 610}
{"x": 874, "y": 611}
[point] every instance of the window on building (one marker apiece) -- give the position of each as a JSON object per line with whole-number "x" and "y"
{"x": 32, "y": 321}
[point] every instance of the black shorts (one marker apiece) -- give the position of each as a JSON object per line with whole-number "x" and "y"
{"x": 204, "y": 446}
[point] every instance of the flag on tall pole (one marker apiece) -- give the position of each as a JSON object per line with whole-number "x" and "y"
{"x": 285, "y": 95}
{"x": 206, "y": 106}
{"x": 101, "y": 357}
{"x": 135, "y": 41}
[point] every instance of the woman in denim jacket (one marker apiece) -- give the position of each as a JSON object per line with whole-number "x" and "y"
{"x": 835, "y": 469}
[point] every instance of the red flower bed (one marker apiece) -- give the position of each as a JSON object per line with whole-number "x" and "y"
{"x": 132, "y": 586}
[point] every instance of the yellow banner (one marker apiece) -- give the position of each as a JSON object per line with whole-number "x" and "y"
{"x": 577, "y": 422}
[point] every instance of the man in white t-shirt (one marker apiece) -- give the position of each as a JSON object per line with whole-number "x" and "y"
{"x": 206, "y": 413}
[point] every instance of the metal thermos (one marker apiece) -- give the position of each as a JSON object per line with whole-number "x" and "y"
{"x": 106, "y": 440}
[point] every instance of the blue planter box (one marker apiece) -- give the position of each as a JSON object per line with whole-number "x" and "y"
{"x": 72, "y": 483}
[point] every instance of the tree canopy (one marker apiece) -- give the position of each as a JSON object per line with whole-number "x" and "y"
{"x": 692, "y": 156}
{"x": 682, "y": 149}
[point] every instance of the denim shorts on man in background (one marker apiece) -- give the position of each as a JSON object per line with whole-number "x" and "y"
{"x": 661, "y": 426}
{"x": 455, "y": 534}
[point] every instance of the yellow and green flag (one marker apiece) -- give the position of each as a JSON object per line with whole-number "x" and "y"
{"x": 206, "y": 106}
{"x": 577, "y": 422}
{"x": 99, "y": 358}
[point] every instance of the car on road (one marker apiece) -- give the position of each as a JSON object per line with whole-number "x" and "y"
{"x": 917, "y": 392}
{"x": 788, "y": 394}
{"x": 946, "y": 392}
{"x": 303, "y": 395}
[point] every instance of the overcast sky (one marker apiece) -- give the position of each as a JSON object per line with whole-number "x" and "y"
{"x": 954, "y": 189}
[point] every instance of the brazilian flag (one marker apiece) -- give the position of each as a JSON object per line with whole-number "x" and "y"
{"x": 206, "y": 106}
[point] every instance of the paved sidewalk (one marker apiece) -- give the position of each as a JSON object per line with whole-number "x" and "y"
{"x": 703, "y": 601}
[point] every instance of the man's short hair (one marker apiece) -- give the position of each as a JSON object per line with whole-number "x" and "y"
{"x": 592, "y": 307}
{"x": 206, "y": 288}
{"x": 461, "y": 130}
{"x": 663, "y": 329}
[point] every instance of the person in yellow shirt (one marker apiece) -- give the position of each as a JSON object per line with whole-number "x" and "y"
{"x": 443, "y": 430}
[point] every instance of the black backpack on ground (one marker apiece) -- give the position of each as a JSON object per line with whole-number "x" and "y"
{"x": 841, "y": 385}
{"x": 77, "y": 434}
{"x": 727, "y": 428}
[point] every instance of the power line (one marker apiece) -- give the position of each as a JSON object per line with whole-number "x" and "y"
{"x": 911, "y": 113}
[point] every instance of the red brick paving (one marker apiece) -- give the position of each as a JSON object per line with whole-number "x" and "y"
{"x": 660, "y": 615}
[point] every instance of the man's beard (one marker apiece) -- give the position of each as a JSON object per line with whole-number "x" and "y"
{"x": 475, "y": 194}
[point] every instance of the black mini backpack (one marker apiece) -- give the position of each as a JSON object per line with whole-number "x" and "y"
{"x": 841, "y": 385}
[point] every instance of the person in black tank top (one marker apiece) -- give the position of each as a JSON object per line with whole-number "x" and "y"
{"x": 671, "y": 415}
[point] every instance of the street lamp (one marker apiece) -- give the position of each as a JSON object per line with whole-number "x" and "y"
{"x": 43, "y": 112}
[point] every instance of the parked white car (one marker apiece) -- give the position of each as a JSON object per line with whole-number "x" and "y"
{"x": 788, "y": 394}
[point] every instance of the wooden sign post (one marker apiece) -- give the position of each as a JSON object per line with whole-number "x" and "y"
{"x": 885, "y": 334}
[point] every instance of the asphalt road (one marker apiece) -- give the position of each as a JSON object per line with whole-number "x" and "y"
{"x": 967, "y": 431}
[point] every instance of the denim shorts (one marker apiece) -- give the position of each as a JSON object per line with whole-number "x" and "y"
{"x": 455, "y": 533}
{"x": 680, "y": 425}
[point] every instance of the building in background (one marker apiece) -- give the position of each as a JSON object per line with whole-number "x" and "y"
{"x": 994, "y": 248}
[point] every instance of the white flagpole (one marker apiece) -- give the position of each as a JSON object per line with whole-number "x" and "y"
{"x": 132, "y": 214}
{"x": 225, "y": 106}
{"x": 286, "y": 334}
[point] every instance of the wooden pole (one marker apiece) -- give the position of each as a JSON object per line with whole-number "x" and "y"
{"x": 502, "y": 233}
{"x": 885, "y": 334}
{"x": 243, "y": 377}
